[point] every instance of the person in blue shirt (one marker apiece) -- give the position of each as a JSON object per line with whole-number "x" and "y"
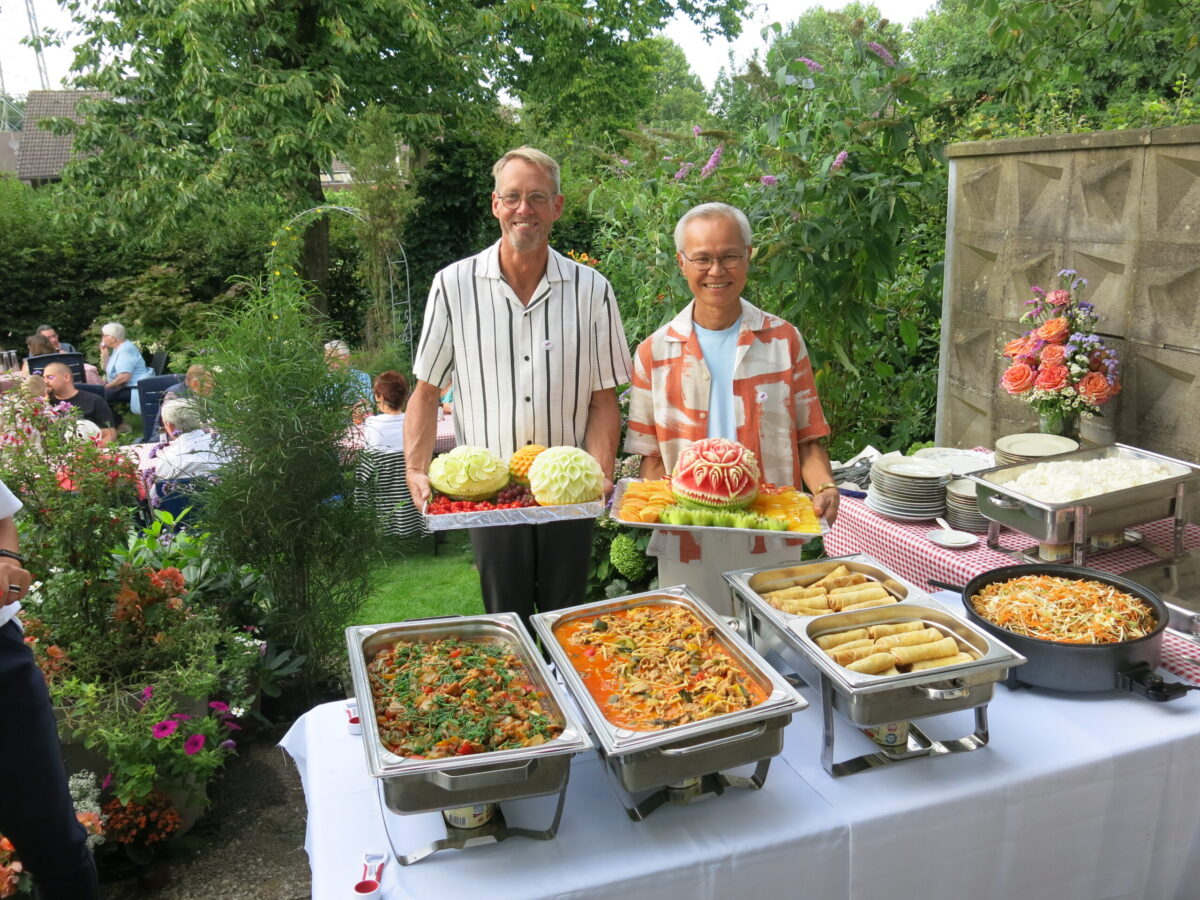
{"x": 123, "y": 366}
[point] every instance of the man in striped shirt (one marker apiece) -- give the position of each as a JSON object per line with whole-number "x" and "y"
{"x": 534, "y": 345}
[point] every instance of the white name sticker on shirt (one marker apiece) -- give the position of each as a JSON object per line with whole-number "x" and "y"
{"x": 762, "y": 396}
{"x": 547, "y": 345}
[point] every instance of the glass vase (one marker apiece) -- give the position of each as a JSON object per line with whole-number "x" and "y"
{"x": 1058, "y": 422}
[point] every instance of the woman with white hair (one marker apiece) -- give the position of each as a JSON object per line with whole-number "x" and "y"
{"x": 123, "y": 368}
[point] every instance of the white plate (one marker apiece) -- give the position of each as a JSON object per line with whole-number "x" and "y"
{"x": 940, "y": 537}
{"x": 908, "y": 467}
{"x": 1035, "y": 444}
{"x": 899, "y": 517}
{"x": 960, "y": 461}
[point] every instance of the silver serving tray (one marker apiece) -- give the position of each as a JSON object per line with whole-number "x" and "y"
{"x": 424, "y": 785}
{"x": 1054, "y": 523}
{"x": 525, "y": 515}
{"x": 649, "y": 759}
{"x": 799, "y": 537}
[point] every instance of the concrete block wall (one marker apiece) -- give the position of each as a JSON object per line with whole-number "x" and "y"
{"x": 1122, "y": 208}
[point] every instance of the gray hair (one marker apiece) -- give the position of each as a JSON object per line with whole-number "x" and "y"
{"x": 713, "y": 211}
{"x": 183, "y": 414}
{"x": 42, "y": 329}
{"x": 543, "y": 161}
{"x": 114, "y": 329}
{"x": 339, "y": 347}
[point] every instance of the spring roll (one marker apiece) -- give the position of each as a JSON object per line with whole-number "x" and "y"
{"x": 886, "y": 600}
{"x": 908, "y": 655}
{"x": 839, "y": 600}
{"x": 873, "y": 664}
{"x": 799, "y": 609}
{"x": 845, "y": 657}
{"x": 842, "y": 581}
{"x": 892, "y": 671}
{"x": 878, "y": 631}
{"x": 829, "y": 641}
{"x": 851, "y": 586}
{"x": 862, "y": 642}
{"x": 795, "y": 593}
{"x": 837, "y": 572}
{"x": 955, "y": 660}
{"x": 909, "y": 638}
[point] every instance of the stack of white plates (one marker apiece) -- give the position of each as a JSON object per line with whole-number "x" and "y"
{"x": 908, "y": 489}
{"x": 960, "y": 462}
{"x": 962, "y": 506}
{"x": 1019, "y": 448}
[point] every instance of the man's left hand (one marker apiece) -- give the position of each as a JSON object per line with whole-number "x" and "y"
{"x": 14, "y": 581}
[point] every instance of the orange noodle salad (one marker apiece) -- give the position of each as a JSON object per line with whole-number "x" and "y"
{"x": 651, "y": 667}
{"x": 1066, "y": 610}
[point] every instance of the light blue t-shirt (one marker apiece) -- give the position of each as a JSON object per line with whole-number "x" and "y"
{"x": 719, "y": 349}
{"x": 127, "y": 358}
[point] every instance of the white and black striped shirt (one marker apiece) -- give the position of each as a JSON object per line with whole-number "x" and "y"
{"x": 522, "y": 374}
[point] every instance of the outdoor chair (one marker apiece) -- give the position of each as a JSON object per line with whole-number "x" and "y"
{"x": 177, "y": 494}
{"x": 97, "y": 389}
{"x": 158, "y": 362}
{"x": 150, "y": 392}
{"x": 381, "y": 478}
{"x": 73, "y": 361}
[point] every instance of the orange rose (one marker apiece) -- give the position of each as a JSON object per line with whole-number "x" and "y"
{"x": 1051, "y": 378}
{"x": 1053, "y": 355}
{"x": 1093, "y": 387}
{"x": 1017, "y": 347}
{"x": 1018, "y": 378}
{"x": 1055, "y": 331}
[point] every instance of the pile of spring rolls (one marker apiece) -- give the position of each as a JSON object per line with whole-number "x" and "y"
{"x": 893, "y": 649}
{"x": 838, "y": 591}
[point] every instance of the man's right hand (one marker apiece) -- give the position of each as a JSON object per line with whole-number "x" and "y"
{"x": 418, "y": 487}
{"x": 14, "y": 581}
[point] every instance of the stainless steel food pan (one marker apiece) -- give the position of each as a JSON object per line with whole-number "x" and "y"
{"x": 649, "y": 759}
{"x": 424, "y": 785}
{"x": 1054, "y": 523}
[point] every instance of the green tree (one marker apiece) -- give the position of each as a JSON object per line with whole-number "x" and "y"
{"x": 679, "y": 99}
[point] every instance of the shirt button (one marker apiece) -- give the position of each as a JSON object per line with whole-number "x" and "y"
{"x": 527, "y": 359}
{"x": 527, "y": 400}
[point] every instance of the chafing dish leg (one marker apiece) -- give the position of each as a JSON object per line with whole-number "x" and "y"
{"x": 1177, "y": 511}
{"x": 993, "y": 536}
{"x": 1080, "y": 539}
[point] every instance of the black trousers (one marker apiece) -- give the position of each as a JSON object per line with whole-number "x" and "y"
{"x": 36, "y": 812}
{"x": 113, "y": 396}
{"x": 528, "y": 567}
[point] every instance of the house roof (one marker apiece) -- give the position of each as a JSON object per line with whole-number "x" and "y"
{"x": 44, "y": 154}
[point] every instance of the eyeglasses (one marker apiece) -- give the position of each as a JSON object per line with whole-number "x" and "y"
{"x": 704, "y": 263}
{"x": 513, "y": 200}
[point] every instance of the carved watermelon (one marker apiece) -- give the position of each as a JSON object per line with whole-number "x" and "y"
{"x": 715, "y": 473}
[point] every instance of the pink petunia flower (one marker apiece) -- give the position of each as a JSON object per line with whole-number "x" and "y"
{"x": 182, "y": 717}
{"x": 164, "y": 729}
{"x": 218, "y": 706}
{"x": 193, "y": 744}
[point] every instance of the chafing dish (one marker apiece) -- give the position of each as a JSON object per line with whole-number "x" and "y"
{"x": 673, "y": 756}
{"x": 410, "y": 785}
{"x": 874, "y": 700}
{"x": 1077, "y": 520}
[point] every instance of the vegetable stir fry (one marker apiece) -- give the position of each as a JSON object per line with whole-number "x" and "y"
{"x": 453, "y": 697}
{"x": 651, "y": 667}
{"x": 1065, "y": 610}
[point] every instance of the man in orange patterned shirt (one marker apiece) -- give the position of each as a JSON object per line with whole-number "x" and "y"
{"x": 724, "y": 368}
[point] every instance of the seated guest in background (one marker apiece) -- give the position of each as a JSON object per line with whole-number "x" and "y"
{"x": 39, "y": 345}
{"x": 52, "y": 336}
{"x": 337, "y": 355}
{"x": 60, "y": 383}
{"x": 447, "y": 402}
{"x": 386, "y": 430}
{"x": 192, "y": 451}
{"x": 123, "y": 367}
{"x": 197, "y": 385}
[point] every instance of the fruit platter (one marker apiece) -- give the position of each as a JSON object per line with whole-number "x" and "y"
{"x": 715, "y": 485}
{"x": 474, "y": 488}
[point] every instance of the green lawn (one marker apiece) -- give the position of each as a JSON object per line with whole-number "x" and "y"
{"x": 413, "y": 583}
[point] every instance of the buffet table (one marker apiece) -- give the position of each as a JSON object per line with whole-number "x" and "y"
{"x": 1077, "y": 796}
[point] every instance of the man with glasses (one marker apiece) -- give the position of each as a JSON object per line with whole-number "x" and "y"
{"x": 534, "y": 346}
{"x": 60, "y": 384}
{"x": 52, "y": 336}
{"x": 724, "y": 368}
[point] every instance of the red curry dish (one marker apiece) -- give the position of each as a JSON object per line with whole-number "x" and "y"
{"x": 651, "y": 667}
{"x": 451, "y": 697}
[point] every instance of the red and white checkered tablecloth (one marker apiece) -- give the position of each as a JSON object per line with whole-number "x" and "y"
{"x": 906, "y": 549}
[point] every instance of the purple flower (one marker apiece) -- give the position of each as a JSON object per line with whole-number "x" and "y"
{"x": 228, "y": 744}
{"x": 623, "y": 161}
{"x": 769, "y": 180}
{"x": 164, "y": 729}
{"x": 231, "y": 725}
{"x": 696, "y": 130}
{"x": 713, "y": 162}
{"x": 684, "y": 170}
{"x": 219, "y": 706}
{"x": 106, "y": 782}
{"x": 882, "y": 52}
{"x": 839, "y": 161}
{"x": 182, "y": 717}
{"x": 147, "y": 693}
{"x": 193, "y": 744}
{"x": 812, "y": 65}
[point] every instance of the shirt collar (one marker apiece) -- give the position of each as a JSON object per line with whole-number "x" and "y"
{"x": 557, "y": 265}
{"x": 753, "y": 319}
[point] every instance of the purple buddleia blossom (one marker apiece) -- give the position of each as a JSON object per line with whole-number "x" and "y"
{"x": 882, "y": 52}
{"x": 769, "y": 180}
{"x": 813, "y": 66}
{"x": 839, "y": 161}
{"x": 696, "y": 130}
{"x": 713, "y": 162}
{"x": 684, "y": 170}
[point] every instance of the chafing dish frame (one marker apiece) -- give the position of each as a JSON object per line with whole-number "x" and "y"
{"x": 1075, "y": 521}
{"x": 680, "y": 764}
{"x": 409, "y": 786}
{"x": 870, "y": 700}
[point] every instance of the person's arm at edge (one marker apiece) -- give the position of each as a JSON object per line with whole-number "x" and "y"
{"x": 420, "y": 434}
{"x": 13, "y": 572}
{"x": 603, "y": 432}
{"x": 816, "y": 471}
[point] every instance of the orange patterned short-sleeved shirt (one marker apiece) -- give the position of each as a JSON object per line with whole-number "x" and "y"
{"x": 775, "y": 401}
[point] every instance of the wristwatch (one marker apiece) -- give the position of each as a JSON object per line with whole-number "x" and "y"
{"x": 824, "y": 487}
{"x": 12, "y": 554}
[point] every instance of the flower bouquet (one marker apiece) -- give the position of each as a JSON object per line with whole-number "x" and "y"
{"x": 1061, "y": 367}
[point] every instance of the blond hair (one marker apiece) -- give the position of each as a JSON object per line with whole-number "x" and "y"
{"x": 543, "y": 161}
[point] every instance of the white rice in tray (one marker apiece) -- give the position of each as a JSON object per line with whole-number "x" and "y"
{"x": 1066, "y": 480}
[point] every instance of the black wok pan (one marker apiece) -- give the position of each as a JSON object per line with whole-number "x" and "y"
{"x": 1126, "y": 665}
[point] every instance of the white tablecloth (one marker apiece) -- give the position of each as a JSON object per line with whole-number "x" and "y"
{"x": 1077, "y": 796}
